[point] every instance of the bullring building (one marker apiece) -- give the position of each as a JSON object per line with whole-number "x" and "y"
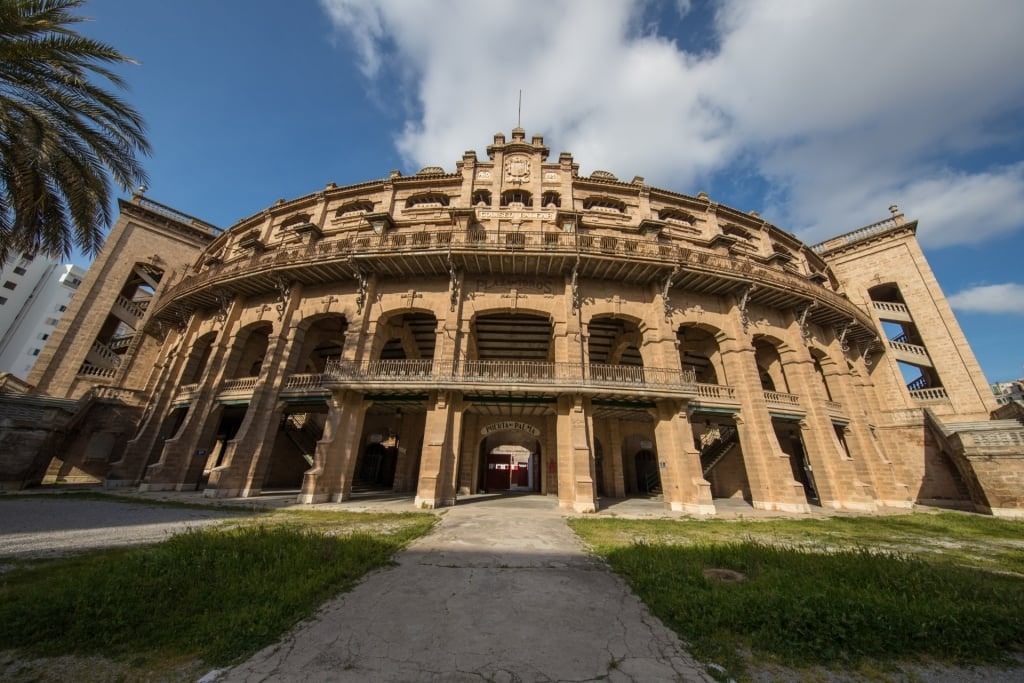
{"x": 513, "y": 325}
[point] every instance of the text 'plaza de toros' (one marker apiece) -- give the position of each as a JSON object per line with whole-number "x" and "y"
{"x": 514, "y": 326}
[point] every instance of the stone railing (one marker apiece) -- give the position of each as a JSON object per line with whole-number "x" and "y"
{"x": 500, "y": 373}
{"x": 341, "y": 249}
{"x": 834, "y": 406}
{"x": 186, "y": 392}
{"x": 156, "y": 207}
{"x": 931, "y": 394}
{"x": 890, "y": 307}
{"x": 913, "y": 349}
{"x": 238, "y": 384}
{"x": 134, "y": 308}
{"x": 716, "y": 391}
{"x": 106, "y": 353}
{"x": 89, "y": 370}
{"x": 778, "y": 398}
{"x": 859, "y": 234}
{"x": 313, "y": 380}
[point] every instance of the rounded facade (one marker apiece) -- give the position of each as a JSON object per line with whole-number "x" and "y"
{"x": 513, "y": 326}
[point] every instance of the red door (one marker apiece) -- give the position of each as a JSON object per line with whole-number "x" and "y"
{"x": 499, "y": 471}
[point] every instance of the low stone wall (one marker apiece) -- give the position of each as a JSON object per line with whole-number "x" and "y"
{"x": 31, "y": 430}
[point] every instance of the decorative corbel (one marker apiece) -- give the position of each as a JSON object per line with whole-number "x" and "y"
{"x": 183, "y": 319}
{"x": 453, "y": 286}
{"x": 741, "y": 303}
{"x": 801, "y": 319}
{"x": 576, "y": 302}
{"x": 865, "y": 354}
{"x": 284, "y": 290}
{"x": 666, "y": 299}
{"x": 224, "y": 299}
{"x": 841, "y": 336}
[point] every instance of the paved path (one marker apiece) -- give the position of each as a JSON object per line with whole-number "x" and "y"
{"x": 48, "y": 525}
{"x": 501, "y": 591}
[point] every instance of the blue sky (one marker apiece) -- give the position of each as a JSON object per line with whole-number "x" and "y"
{"x": 817, "y": 114}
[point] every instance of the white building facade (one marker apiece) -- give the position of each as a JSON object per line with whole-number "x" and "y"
{"x": 34, "y": 293}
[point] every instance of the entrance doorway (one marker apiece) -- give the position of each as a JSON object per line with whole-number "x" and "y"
{"x": 648, "y": 478}
{"x": 510, "y": 468}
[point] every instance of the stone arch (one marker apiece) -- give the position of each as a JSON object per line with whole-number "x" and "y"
{"x": 405, "y": 334}
{"x": 510, "y": 458}
{"x": 614, "y": 340}
{"x": 250, "y": 347}
{"x": 768, "y": 356}
{"x": 700, "y": 352}
{"x": 319, "y": 338}
{"x": 522, "y": 334}
{"x": 198, "y": 358}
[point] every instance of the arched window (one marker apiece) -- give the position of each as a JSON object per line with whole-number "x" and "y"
{"x": 605, "y": 204}
{"x": 481, "y": 197}
{"x": 356, "y": 208}
{"x": 427, "y": 200}
{"x": 551, "y": 199}
{"x": 521, "y": 197}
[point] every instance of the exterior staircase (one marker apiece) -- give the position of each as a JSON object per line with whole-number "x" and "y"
{"x": 719, "y": 444}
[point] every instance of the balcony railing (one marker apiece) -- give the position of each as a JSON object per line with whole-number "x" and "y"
{"x": 777, "y": 398}
{"x": 238, "y": 384}
{"x": 716, "y": 391}
{"x": 404, "y": 241}
{"x": 912, "y": 349}
{"x": 890, "y": 307}
{"x": 503, "y": 373}
{"x": 931, "y": 394}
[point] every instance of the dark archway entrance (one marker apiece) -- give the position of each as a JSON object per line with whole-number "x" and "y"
{"x": 648, "y": 478}
{"x": 510, "y": 462}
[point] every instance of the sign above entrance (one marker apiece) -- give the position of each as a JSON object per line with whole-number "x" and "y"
{"x": 516, "y": 215}
{"x": 510, "y": 426}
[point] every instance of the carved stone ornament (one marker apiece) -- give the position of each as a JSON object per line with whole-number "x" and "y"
{"x": 517, "y": 169}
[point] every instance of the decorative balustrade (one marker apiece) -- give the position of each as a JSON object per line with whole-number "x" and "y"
{"x": 90, "y": 370}
{"x": 913, "y": 349}
{"x": 137, "y": 309}
{"x": 919, "y": 383}
{"x": 834, "y": 406}
{"x": 516, "y": 372}
{"x": 314, "y": 380}
{"x": 239, "y": 384}
{"x": 366, "y": 245}
{"x": 858, "y": 234}
{"x": 780, "y": 399}
{"x": 716, "y": 391}
{"x": 930, "y": 394}
{"x": 106, "y": 354}
{"x": 120, "y": 342}
{"x": 890, "y": 307}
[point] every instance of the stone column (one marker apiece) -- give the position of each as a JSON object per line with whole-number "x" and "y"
{"x": 613, "y": 455}
{"x": 576, "y": 459}
{"x": 130, "y": 467}
{"x": 772, "y": 486}
{"x": 248, "y": 455}
{"x": 835, "y": 476}
{"x": 441, "y": 441}
{"x": 334, "y": 463}
{"x": 469, "y": 462}
{"x": 869, "y": 462}
{"x": 685, "y": 489}
{"x": 199, "y": 428}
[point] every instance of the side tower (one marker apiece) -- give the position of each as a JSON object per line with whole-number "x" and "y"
{"x": 98, "y": 354}
{"x": 931, "y": 394}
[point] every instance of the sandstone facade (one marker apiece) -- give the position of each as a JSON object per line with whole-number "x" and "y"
{"x": 516, "y": 326}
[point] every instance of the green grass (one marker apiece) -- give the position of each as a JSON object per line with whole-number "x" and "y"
{"x": 214, "y": 595}
{"x": 844, "y": 593}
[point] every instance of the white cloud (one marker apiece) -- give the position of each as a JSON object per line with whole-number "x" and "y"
{"x": 1000, "y": 299}
{"x": 843, "y": 108}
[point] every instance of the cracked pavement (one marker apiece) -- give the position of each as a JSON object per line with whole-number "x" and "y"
{"x": 502, "y": 590}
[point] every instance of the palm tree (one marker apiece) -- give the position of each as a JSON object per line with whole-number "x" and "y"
{"x": 62, "y": 136}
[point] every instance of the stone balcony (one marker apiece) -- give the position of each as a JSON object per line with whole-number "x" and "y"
{"x": 403, "y": 253}
{"x": 483, "y": 379}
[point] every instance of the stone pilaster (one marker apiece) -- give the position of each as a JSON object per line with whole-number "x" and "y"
{"x": 576, "y": 488}
{"x": 768, "y": 470}
{"x": 334, "y": 463}
{"x": 248, "y": 455}
{"x": 442, "y": 435}
{"x": 683, "y": 483}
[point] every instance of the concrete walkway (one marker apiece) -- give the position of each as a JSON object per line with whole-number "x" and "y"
{"x": 501, "y": 591}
